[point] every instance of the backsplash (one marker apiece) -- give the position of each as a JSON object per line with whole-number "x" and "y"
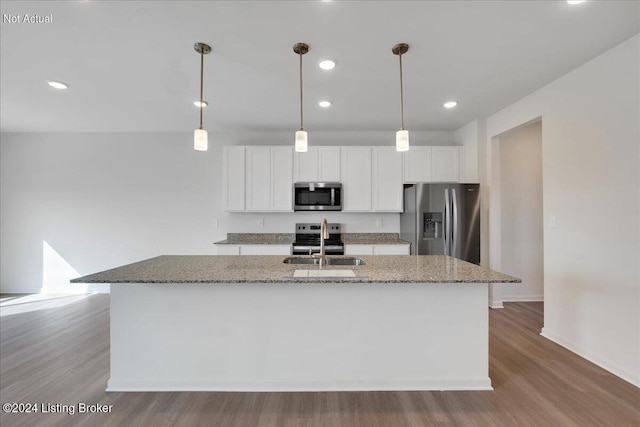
{"x": 285, "y": 222}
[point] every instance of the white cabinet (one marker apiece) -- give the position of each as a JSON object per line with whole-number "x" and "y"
{"x": 233, "y": 177}
{"x": 260, "y": 178}
{"x": 358, "y": 250}
{"x": 391, "y": 249}
{"x": 254, "y": 249}
{"x": 432, "y": 164}
{"x": 318, "y": 164}
{"x": 265, "y": 249}
{"x": 281, "y": 179}
{"x": 258, "y": 161}
{"x": 356, "y": 179}
{"x": 269, "y": 178}
{"x": 417, "y": 165}
{"x": 387, "y": 190}
{"x": 396, "y": 249}
{"x": 445, "y": 164}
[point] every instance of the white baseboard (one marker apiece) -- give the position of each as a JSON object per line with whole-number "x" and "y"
{"x": 496, "y": 304}
{"x": 633, "y": 378}
{"x": 300, "y": 386}
{"x": 522, "y": 298}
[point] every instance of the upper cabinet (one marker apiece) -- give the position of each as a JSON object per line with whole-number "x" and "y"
{"x": 269, "y": 179}
{"x": 432, "y": 164}
{"x": 318, "y": 164}
{"x": 445, "y": 164}
{"x": 281, "y": 195}
{"x": 233, "y": 176}
{"x": 387, "y": 191}
{"x": 260, "y": 178}
{"x": 356, "y": 179}
{"x": 417, "y": 165}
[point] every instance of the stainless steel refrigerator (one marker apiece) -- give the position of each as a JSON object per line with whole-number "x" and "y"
{"x": 442, "y": 219}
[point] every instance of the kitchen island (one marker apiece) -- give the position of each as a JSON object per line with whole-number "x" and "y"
{"x": 249, "y": 323}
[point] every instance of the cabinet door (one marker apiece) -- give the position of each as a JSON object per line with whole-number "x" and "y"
{"x": 387, "y": 191}
{"x": 258, "y": 163}
{"x": 265, "y": 250}
{"x": 356, "y": 179}
{"x": 305, "y": 165}
{"x": 329, "y": 164}
{"x": 417, "y": 165}
{"x": 445, "y": 164}
{"x": 234, "y": 178}
{"x": 228, "y": 249}
{"x": 281, "y": 179}
{"x": 391, "y": 250}
{"x": 358, "y": 249}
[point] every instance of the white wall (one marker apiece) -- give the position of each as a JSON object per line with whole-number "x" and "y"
{"x": 591, "y": 184}
{"x": 100, "y": 200}
{"x": 521, "y": 212}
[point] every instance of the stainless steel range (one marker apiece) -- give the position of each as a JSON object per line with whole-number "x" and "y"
{"x": 308, "y": 240}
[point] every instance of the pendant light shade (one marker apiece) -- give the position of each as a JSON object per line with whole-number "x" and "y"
{"x": 402, "y": 140}
{"x": 301, "y": 141}
{"x": 200, "y": 140}
{"x": 200, "y": 136}
{"x": 301, "y": 135}
{"x": 402, "y": 136}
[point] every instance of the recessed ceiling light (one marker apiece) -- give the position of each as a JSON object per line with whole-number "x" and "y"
{"x": 327, "y": 64}
{"x": 575, "y": 1}
{"x": 197, "y": 103}
{"x": 324, "y": 104}
{"x": 450, "y": 104}
{"x": 57, "y": 85}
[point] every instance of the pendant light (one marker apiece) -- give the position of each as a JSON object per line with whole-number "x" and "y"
{"x": 200, "y": 137}
{"x": 301, "y": 135}
{"x": 402, "y": 136}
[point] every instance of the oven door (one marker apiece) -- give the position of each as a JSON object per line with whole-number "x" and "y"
{"x": 318, "y": 196}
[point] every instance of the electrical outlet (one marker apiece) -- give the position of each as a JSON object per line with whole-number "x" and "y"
{"x": 261, "y": 222}
{"x": 553, "y": 221}
{"x": 214, "y": 222}
{"x": 379, "y": 222}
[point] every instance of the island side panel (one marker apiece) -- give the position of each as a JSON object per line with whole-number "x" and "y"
{"x": 299, "y": 336}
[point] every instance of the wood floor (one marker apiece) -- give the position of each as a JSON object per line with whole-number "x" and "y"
{"x": 60, "y": 355}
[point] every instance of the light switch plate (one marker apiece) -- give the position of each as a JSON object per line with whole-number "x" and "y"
{"x": 379, "y": 222}
{"x": 553, "y": 221}
{"x": 214, "y": 222}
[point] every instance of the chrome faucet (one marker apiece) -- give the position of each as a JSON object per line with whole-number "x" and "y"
{"x": 324, "y": 234}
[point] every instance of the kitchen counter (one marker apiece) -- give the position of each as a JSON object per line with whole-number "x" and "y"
{"x": 288, "y": 238}
{"x": 257, "y": 239}
{"x": 372, "y": 239}
{"x": 243, "y": 323}
{"x": 271, "y": 269}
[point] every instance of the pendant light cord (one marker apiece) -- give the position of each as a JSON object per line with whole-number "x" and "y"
{"x": 201, "y": 85}
{"x": 301, "y": 117}
{"x": 401, "y": 96}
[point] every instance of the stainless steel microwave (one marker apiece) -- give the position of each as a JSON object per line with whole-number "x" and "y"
{"x": 317, "y": 196}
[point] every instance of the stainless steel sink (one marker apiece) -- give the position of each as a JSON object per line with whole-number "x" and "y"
{"x": 330, "y": 261}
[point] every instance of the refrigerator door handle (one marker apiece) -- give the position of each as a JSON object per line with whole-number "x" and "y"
{"x": 447, "y": 221}
{"x": 454, "y": 238}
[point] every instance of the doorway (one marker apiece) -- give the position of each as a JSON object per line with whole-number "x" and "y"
{"x": 517, "y": 175}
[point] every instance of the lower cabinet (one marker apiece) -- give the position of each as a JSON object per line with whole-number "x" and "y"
{"x": 254, "y": 249}
{"x": 401, "y": 249}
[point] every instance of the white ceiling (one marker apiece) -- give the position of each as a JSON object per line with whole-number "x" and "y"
{"x": 131, "y": 65}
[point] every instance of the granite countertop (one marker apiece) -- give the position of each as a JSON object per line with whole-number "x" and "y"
{"x": 258, "y": 239}
{"x": 271, "y": 269}
{"x": 288, "y": 238}
{"x": 372, "y": 239}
